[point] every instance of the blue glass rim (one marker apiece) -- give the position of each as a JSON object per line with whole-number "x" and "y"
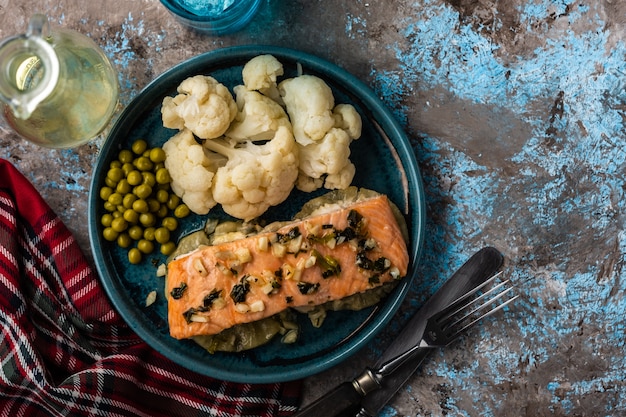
{"x": 231, "y": 14}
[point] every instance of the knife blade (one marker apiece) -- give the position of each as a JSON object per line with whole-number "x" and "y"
{"x": 347, "y": 395}
{"x": 481, "y": 266}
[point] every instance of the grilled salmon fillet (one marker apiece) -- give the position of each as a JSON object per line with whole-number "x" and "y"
{"x": 320, "y": 258}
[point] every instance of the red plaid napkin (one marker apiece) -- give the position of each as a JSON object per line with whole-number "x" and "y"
{"x": 66, "y": 352}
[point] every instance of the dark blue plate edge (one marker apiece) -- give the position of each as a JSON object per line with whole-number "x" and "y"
{"x": 378, "y": 112}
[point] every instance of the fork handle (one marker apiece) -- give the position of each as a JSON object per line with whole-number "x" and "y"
{"x": 376, "y": 400}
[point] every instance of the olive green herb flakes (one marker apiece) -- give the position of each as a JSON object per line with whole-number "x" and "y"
{"x": 240, "y": 290}
{"x": 307, "y": 288}
{"x": 178, "y": 292}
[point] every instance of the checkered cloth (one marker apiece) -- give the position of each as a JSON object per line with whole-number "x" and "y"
{"x": 66, "y": 352}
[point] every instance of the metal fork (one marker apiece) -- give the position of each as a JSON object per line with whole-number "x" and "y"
{"x": 446, "y": 326}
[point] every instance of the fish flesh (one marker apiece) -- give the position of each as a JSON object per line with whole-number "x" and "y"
{"x": 329, "y": 255}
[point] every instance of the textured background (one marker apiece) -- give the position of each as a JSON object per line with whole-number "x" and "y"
{"x": 516, "y": 111}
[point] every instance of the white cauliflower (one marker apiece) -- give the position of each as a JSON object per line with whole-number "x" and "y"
{"x": 309, "y": 102}
{"x": 259, "y": 117}
{"x": 323, "y": 132}
{"x": 203, "y": 105}
{"x": 348, "y": 119}
{"x": 192, "y": 169}
{"x": 256, "y": 176}
{"x": 261, "y": 73}
{"x": 169, "y": 112}
{"x": 326, "y": 162}
{"x": 256, "y": 148}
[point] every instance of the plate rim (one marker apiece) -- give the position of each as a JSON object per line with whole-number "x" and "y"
{"x": 376, "y": 111}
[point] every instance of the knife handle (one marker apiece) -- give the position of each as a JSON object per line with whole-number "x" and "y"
{"x": 342, "y": 397}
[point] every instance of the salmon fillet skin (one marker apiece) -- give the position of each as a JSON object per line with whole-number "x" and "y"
{"x": 320, "y": 258}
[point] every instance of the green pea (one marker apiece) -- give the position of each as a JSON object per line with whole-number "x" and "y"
{"x": 163, "y": 176}
{"x": 142, "y": 191}
{"x": 168, "y": 248}
{"x": 115, "y": 174}
{"x": 110, "y": 207}
{"x": 143, "y": 163}
{"x": 139, "y": 146}
{"x": 173, "y": 201}
{"x": 181, "y": 211}
{"x": 135, "y": 232}
{"x": 162, "y": 196}
{"x": 109, "y": 182}
{"x": 115, "y": 164}
{"x": 128, "y": 200}
{"x": 115, "y": 199}
{"x": 147, "y": 219}
{"x": 131, "y": 216}
{"x": 123, "y": 187}
{"x": 105, "y": 192}
{"x": 134, "y": 256}
{"x": 106, "y": 219}
{"x": 148, "y": 234}
{"x": 125, "y": 156}
{"x": 145, "y": 246}
{"x": 170, "y": 223}
{"x": 134, "y": 177}
{"x": 157, "y": 155}
{"x": 116, "y": 213}
{"x": 162, "y": 212}
{"x": 140, "y": 206}
{"x": 153, "y": 205}
{"x": 149, "y": 178}
{"x": 127, "y": 168}
{"x": 109, "y": 234}
{"x": 119, "y": 224}
{"x": 162, "y": 235}
{"x": 124, "y": 241}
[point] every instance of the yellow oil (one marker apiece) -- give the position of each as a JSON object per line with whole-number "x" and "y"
{"x": 80, "y": 106}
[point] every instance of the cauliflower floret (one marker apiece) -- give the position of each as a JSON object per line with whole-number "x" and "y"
{"x": 348, "y": 119}
{"x": 203, "y": 105}
{"x": 326, "y": 163}
{"x": 309, "y": 102}
{"x": 261, "y": 73}
{"x": 342, "y": 179}
{"x": 308, "y": 184}
{"x": 259, "y": 117}
{"x": 323, "y": 132}
{"x": 169, "y": 112}
{"x": 255, "y": 176}
{"x": 191, "y": 169}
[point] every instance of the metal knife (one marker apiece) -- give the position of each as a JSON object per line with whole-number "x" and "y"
{"x": 346, "y": 397}
{"x": 482, "y": 265}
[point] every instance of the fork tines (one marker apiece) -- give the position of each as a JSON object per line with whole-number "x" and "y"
{"x": 471, "y": 308}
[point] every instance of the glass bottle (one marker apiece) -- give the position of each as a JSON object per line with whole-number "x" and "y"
{"x": 58, "y": 88}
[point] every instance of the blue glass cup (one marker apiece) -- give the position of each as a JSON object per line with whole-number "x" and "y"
{"x": 213, "y": 17}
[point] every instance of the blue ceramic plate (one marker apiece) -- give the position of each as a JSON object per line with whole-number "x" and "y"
{"x": 384, "y": 162}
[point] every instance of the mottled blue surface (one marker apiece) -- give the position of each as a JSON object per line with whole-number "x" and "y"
{"x": 565, "y": 185}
